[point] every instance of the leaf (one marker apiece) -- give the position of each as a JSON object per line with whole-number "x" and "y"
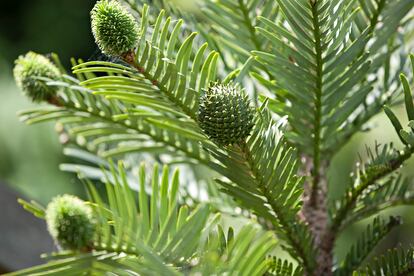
{"x": 395, "y": 122}
{"x": 33, "y": 207}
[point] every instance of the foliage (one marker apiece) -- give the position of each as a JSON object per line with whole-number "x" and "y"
{"x": 156, "y": 232}
{"x": 316, "y": 72}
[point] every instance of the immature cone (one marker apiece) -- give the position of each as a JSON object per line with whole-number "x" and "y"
{"x": 114, "y": 28}
{"x": 28, "y": 71}
{"x": 225, "y": 114}
{"x": 70, "y": 222}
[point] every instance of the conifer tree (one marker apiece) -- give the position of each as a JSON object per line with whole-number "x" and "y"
{"x": 251, "y": 100}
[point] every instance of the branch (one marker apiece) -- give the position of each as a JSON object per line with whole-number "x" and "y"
{"x": 284, "y": 222}
{"x": 373, "y": 235}
{"x": 396, "y": 261}
{"x": 318, "y": 103}
{"x": 390, "y": 167}
{"x": 148, "y": 133}
{"x": 371, "y": 110}
{"x": 131, "y": 59}
{"x": 375, "y": 209}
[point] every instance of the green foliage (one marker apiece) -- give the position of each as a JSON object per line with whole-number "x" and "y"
{"x": 283, "y": 268}
{"x": 406, "y": 137}
{"x": 70, "y": 222}
{"x": 374, "y": 233}
{"x": 371, "y": 190}
{"x": 322, "y": 68}
{"x": 235, "y": 41}
{"x": 395, "y": 262}
{"x": 28, "y": 73}
{"x": 225, "y": 114}
{"x": 114, "y": 29}
{"x": 263, "y": 172}
{"x": 155, "y": 233}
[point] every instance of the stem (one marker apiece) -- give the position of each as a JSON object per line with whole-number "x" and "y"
{"x": 247, "y": 21}
{"x": 114, "y": 249}
{"x": 369, "y": 211}
{"x": 182, "y": 265}
{"x": 375, "y": 19}
{"x": 130, "y": 58}
{"x": 318, "y": 102}
{"x": 315, "y": 214}
{"x": 314, "y": 210}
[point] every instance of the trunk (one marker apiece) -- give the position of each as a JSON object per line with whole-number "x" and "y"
{"x": 315, "y": 214}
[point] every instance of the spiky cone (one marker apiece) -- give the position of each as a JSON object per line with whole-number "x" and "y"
{"x": 28, "y": 72}
{"x": 114, "y": 28}
{"x": 225, "y": 114}
{"x": 71, "y": 222}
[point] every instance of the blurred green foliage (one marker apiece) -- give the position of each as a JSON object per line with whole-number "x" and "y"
{"x": 29, "y": 156}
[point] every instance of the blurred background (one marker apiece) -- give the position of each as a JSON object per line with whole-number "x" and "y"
{"x": 30, "y": 155}
{"x": 44, "y": 27}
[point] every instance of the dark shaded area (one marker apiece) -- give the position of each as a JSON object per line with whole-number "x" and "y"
{"x": 46, "y": 26}
{"x": 17, "y": 222}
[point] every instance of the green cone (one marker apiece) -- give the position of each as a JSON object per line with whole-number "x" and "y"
{"x": 27, "y": 71}
{"x": 70, "y": 222}
{"x": 225, "y": 114}
{"x": 114, "y": 28}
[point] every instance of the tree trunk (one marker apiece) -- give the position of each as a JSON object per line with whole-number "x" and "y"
{"x": 315, "y": 214}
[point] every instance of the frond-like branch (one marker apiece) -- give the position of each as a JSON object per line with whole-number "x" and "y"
{"x": 395, "y": 262}
{"x": 373, "y": 234}
{"x": 393, "y": 192}
{"x": 231, "y": 25}
{"x": 281, "y": 267}
{"x": 367, "y": 179}
{"x": 321, "y": 56}
{"x": 263, "y": 171}
{"x": 156, "y": 96}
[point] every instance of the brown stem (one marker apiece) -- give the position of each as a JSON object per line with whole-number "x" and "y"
{"x": 55, "y": 100}
{"x": 315, "y": 214}
{"x": 130, "y": 58}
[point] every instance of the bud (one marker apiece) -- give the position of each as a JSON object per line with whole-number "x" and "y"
{"x": 225, "y": 114}
{"x": 114, "y": 28}
{"x": 70, "y": 222}
{"x": 27, "y": 72}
